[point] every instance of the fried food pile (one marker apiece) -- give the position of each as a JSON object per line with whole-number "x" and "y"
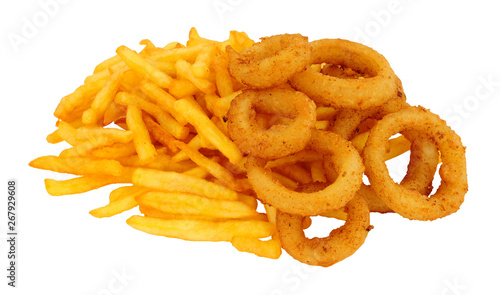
{"x": 201, "y": 134}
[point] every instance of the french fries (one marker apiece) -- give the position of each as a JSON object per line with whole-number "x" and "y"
{"x": 153, "y": 121}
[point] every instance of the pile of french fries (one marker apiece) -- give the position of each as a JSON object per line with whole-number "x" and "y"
{"x": 154, "y": 121}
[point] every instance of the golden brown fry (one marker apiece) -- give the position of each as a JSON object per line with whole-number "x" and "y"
{"x": 201, "y": 230}
{"x": 177, "y": 182}
{"x": 185, "y": 71}
{"x": 102, "y": 100}
{"x": 208, "y": 130}
{"x": 183, "y": 203}
{"x": 78, "y": 165}
{"x": 142, "y": 142}
{"x": 144, "y": 67}
{"x": 269, "y": 249}
{"x": 163, "y": 99}
{"x": 163, "y": 118}
{"x": 158, "y": 133}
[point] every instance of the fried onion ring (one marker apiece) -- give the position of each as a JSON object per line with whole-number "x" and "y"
{"x": 279, "y": 140}
{"x": 346, "y": 121}
{"x": 380, "y": 86}
{"x": 270, "y": 62}
{"x": 345, "y": 160}
{"x": 407, "y": 202}
{"x": 340, "y": 243}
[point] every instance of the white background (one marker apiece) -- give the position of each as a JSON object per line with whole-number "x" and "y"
{"x": 443, "y": 51}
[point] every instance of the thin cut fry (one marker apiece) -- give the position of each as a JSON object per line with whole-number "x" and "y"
{"x": 208, "y": 130}
{"x": 78, "y": 165}
{"x": 201, "y": 230}
{"x": 144, "y": 67}
{"x": 182, "y": 203}
{"x": 142, "y": 142}
{"x": 177, "y": 182}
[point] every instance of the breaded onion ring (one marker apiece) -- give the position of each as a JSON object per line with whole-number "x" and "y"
{"x": 270, "y": 62}
{"x": 346, "y": 121}
{"x": 380, "y": 86}
{"x": 340, "y": 243}
{"x": 407, "y": 202}
{"x": 424, "y": 160}
{"x": 280, "y": 139}
{"x": 346, "y": 161}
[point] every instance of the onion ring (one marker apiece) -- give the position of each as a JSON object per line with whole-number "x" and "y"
{"x": 410, "y": 203}
{"x": 347, "y": 93}
{"x": 346, "y": 161}
{"x": 346, "y": 121}
{"x": 340, "y": 243}
{"x": 279, "y": 140}
{"x": 424, "y": 160}
{"x": 270, "y": 62}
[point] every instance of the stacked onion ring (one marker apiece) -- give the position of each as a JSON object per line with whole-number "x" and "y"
{"x": 301, "y": 171}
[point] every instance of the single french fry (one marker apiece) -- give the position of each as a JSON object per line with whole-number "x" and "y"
{"x": 163, "y": 99}
{"x": 162, "y": 162}
{"x": 223, "y": 79}
{"x": 163, "y": 118}
{"x": 183, "y": 203}
{"x": 318, "y": 172}
{"x": 114, "y": 151}
{"x": 186, "y": 53}
{"x": 66, "y": 132}
{"x": 102, "y": 100}
{"x": 82, "y": 184}
{"x": 125, "y": 191}
{"x": 167, "y": 67}
{"x": 214, "y": 168}
{"x": 239, "y": 40}
{"x": 142, "y": 142}
{"x": 120, "y": 200}
{"x": 78, "y": 165}
{"x": 181, "y": 88}
{"x": 113, "y": 134}
{"x": 302, "y": 156}
{"x": 339, "y": 214}
{"x": 113, "y": 113}
{"x": 195, "y": 39}
{"x": 222, "y": 106}
{"x": 322, "y": 125}
{"x": 271, "y": 212}
{"x": 201, "y": 230}
{"x": 285, "y": 181}
{"x": 208, "y": 129}
{"x": 201, "y": 66}
{"x": 144, "y": 67}
{"x": 397, "y": 146}
{"x": 155, "y": 213}
{"x": 177, "y": 182}
{"x": 295, "y": 172}
{"x": 197, "y": 172}
{"x": 115, "y": 207}
{"x": 359, "y": 141}
{"x": 194, "y": 143}
{"x": 184, "y": 70}
{"x": 325, "y": 113}
{"x": 249, "y": 200}
{"x": 160, "y": 134}
{"x": 54, "y": 137}
{"x": 268, "y": 249}
{"x": 107, "y": 63}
